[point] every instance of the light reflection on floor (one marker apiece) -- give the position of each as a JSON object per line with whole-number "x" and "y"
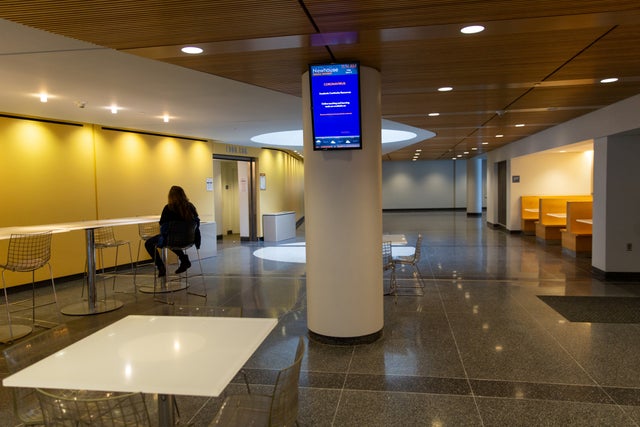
{"x": 296, "y": 252}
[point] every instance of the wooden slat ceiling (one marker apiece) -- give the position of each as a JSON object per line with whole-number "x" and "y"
{"x": 537, "y": 63}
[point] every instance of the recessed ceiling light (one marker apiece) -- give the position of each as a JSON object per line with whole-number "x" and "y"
{"x": 459, "y": 155}
{"x": 466, "y": 152}
{"x": 165, "y": 118}
{"x": 445, "y": 89}
{"x": 419, "y": 149}
{"x": 191, "y": 50}
{"x": 114, "y": 109}
{"x": 44, "y": 97}
{"x": 609, "y": 80}
{"x": 434, "y": 114}
{"x": 499, "y": 135}
{"x": 520, "y": 125}
{"x": 472, "y": 29}
{"x": 474, "y": 148}
{"x": 453, "y": 158}
{"x": 485, "y": 143}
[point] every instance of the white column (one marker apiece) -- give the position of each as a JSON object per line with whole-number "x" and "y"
{"x": 616, "y": 223}
{"x": 474, "y": 186}
{"x": 343, "y": 227}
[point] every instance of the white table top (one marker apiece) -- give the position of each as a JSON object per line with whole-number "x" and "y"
{"x": 196, "y": 356}
{"x": 63, "y": 227}
{"x": 395, "y": 239}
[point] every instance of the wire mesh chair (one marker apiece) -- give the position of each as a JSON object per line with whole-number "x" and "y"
{"x": 181, "y": 235}
{"x": 145, "y": 231}
{"x": 92, "y": 408}
{"x": 26, "y": 252}
{"x": 26, "y": 406}
{"x": 412, "y": 261}
{"x": 277, "y": 409}
{"x": 387, "y": 264}
{"x": 105, "y": 238}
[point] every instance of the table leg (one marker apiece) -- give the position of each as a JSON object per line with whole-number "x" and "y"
{"x": 93, "y": 306}
{"x": 166, "y": 415}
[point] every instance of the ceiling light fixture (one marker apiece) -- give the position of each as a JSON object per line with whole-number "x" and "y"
{"x": 434, "y": 114}
{"x": 165, "y": 118}
{"x": 44, "y": 97}
{"x": 445, "y": 89}
{"x": 609, "y": 80}
{"x": 192, "y": 50}
{"x": 520, "y": 125}
{"x": 499, "y": 135}
{"x": 114, "y": 109}
{"x": 485, "y": 143}
{"x": 472, "y": 29}
{"x": 294, "y": 138}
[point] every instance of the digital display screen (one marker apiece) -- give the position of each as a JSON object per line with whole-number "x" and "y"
{"x": 335, "y": 106}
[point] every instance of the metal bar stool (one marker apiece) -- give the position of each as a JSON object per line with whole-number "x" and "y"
{"x": 412, "y": 261}
{"x": 145, "y": 231}
{"x": 104, "y": 238}
{"x": 27, "y": 252}
{"x": 180, "y": 236}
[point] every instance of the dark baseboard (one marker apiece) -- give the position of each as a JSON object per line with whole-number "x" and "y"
{"x": 615, "y": 276}
{"x": 365, "y": 339}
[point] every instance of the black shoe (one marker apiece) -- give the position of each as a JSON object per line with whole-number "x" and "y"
{"x": 183, "y": 266}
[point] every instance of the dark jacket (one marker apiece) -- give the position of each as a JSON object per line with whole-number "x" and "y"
{"x": 169, "y": 215}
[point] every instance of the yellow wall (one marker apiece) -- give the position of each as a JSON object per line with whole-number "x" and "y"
{"x": 284, "y": 176}
{"x": 58, "y": 172}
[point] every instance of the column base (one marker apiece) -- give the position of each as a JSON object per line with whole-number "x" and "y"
{"x": 364, "y": 339}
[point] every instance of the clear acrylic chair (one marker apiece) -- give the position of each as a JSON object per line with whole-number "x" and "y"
{"x": 180, "y": 235}
{"x": 145, "y": 231}
{"x": 411, "y": 261}
{"x": 277, "y": 409}
{"x": 26, "y": 253}
{"x": 93, "y": 408}
{"x": 387, "y": 264}
{"x": 104, "y": 238}
{"x": 25, "y": 353}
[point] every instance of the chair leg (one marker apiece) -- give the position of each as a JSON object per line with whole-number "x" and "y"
{"x": 163, "y": 280}
{"x": 132, "y": 269}
{"x": 6, "y": 302}
{"x": 14, "y": 331}
{"x": 204, "y": 286}
{"x": 135, "y": 271}
{"x": 419, "y": 275}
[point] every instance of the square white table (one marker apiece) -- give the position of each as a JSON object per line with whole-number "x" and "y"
{"x": 167, "y": 355}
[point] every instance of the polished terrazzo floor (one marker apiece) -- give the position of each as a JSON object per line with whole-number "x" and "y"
{"x": 479, "y": 348}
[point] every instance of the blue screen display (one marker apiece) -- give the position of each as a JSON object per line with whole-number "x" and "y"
{"x": 335, "y": 106}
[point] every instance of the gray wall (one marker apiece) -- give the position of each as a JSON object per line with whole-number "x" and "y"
{"x": 429, "y": 184}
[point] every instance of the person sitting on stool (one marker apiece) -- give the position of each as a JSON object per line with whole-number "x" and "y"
{"x": 178, "y": 208}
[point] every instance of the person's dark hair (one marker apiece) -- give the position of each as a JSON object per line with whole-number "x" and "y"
{"x": 178, "y": 202}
